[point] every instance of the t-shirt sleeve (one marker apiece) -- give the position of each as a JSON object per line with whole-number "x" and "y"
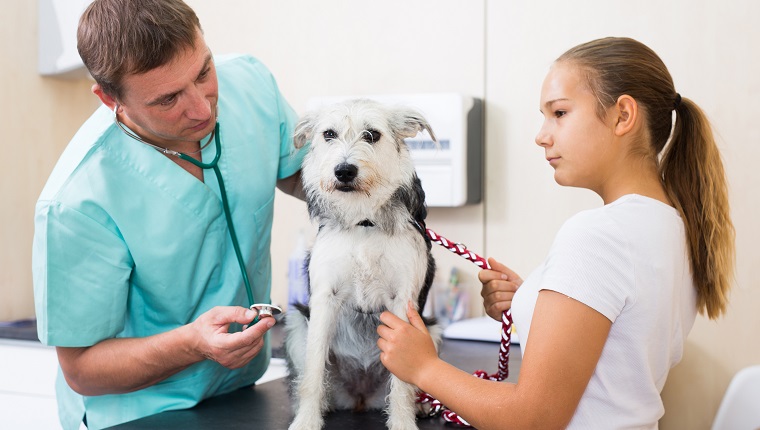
{"x": 81, "y": 271}
{"x": 589, "y": 262}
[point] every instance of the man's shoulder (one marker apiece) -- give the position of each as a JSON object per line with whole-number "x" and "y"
{"x": 237, "y": 65}
{"x": 223, "y": 60}
{"x": 245, "y": 79}
{"x": 88, "y": 140}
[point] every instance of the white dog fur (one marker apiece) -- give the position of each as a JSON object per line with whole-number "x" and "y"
{"x": 370, "y": 255}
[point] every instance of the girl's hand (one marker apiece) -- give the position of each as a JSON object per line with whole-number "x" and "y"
{"x": 406, "y": 349}
{"x": 499, "y": 287}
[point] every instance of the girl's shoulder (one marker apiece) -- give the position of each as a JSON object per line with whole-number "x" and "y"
{"x": 625, "y": 213}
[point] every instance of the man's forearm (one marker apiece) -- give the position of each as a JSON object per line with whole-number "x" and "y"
{"x": 292, "y": 185}
{"x": 128, "y": 364}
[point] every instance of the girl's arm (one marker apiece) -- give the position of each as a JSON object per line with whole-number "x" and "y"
{"x": 565, "y": 343}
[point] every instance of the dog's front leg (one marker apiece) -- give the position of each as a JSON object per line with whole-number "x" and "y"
{"x": 401, "y": 396}
{"x": 401, "y": 405}
{"x": 312, "y": 386}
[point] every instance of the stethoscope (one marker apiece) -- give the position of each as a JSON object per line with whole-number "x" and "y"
{"x": 264, "y": 309}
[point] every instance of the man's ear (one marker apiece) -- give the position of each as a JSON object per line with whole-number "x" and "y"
{"x": 627, "y": 114}
{"x": 104, "y": 97}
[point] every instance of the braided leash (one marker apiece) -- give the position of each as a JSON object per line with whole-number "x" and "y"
{"x": 506, "y": 329}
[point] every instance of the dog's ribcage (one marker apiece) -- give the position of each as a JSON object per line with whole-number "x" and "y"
{"x": 365, "y": 271}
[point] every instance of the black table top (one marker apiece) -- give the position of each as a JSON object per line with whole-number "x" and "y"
{"x": 19, "y": 330}
{"x": 268, "y": 406}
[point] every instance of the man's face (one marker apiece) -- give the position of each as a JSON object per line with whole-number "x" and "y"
{"x": 173, "y": 103}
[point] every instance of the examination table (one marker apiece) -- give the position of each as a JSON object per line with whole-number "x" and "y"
{"x": 268, "y": 406}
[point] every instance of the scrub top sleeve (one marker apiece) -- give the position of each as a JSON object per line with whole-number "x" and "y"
{"x": 81, "y": 277}
{"x": 290, "y": 157}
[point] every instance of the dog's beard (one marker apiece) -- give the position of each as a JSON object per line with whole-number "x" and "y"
{"x": 365, "y": 199}
{"x": 356, "y": 186}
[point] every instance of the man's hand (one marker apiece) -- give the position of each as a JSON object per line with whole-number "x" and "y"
{"x": 231, "y": 350}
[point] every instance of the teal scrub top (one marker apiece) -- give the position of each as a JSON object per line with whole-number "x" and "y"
{"x": 128, "y": 244}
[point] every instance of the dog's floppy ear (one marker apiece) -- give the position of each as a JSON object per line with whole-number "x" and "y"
{"x": 408, "y": 122}
{"x": 304, "y": 130}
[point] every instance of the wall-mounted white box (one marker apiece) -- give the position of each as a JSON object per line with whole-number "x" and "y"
{"x": 57, "y": 47}
{"x": 451, "y": 171}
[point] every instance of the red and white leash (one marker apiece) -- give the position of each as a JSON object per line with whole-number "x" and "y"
{"x": 506, "y": 330}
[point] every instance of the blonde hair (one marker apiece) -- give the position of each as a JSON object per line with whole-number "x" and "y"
{"x": 690, "y": 164}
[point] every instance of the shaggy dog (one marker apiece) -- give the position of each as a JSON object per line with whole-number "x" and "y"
{"x": 370, "y": 254}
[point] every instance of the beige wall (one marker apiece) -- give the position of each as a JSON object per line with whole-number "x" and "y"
{"x": 38, "y": 116}
{"x": 495, "y": 50}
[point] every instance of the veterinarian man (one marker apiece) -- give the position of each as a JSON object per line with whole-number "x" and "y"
{"x": 137, "y": 280}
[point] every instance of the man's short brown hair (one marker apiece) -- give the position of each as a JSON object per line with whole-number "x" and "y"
{"x": 120, "y": 37}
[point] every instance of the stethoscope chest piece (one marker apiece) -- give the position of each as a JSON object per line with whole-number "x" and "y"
{"x": 266, "y": 310}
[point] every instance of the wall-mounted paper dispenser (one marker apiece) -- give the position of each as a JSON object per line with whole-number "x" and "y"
{"x": 451, "y": 172}
{"x": 57, "y": 49}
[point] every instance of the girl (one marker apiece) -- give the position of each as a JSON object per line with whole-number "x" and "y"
{"x": 631, "y": 275}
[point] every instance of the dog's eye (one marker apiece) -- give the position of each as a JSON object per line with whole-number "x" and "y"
{"x": 371, "y": 136}
{"x": 329, "y": 134}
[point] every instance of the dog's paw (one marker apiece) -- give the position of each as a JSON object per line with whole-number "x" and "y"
{"x": 401, "y": 422}
{"x": 402, "y": 425}
{"x": 302, "y": 422}
{"x": 426, "y": 410}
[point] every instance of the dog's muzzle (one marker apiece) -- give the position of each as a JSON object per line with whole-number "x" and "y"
{"x": 345, "y": 173}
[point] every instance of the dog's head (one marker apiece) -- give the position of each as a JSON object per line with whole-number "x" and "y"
{"x": 358, "y": 158}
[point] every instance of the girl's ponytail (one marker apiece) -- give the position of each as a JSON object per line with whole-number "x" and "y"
{"x": 695, "y": 181}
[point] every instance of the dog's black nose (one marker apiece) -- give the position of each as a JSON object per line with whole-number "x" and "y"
{"x": 346, "y": 172}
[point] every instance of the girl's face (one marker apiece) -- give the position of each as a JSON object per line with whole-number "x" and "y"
{"x": 576, "y": 142}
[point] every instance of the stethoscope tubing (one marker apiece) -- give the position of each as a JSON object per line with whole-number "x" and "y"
{"x": 214, "y": 165}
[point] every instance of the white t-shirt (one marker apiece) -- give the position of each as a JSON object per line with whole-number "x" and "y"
{"x": 627, "y": 260}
